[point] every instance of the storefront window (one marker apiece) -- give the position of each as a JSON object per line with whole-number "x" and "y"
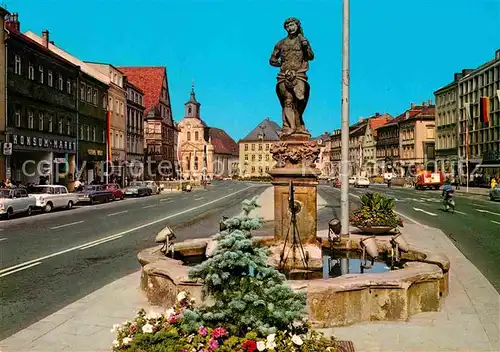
{"x": 30, "y": 119}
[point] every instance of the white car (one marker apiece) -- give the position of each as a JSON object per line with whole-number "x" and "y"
{"x": 50, "y": 197}
{"x": 14, "y": 201}
{"x": 362, "y": 182}
{"x": 352, "y": 180}
{"x": 154, "y": 187}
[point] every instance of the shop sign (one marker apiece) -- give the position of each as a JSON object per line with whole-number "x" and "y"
{"x": 95, "y": 152}
{"x": 39, "y": 142}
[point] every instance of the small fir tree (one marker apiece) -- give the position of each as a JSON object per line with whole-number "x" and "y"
{"x": 248, "y": 293}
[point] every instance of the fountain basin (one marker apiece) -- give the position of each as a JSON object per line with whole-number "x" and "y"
{"x": 392, "y": 295}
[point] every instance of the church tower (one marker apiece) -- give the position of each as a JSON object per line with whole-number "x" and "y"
{"x": 192, "y": 107}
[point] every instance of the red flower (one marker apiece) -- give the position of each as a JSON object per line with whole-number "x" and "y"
{"x": 219, "y": 332}
{"x": 250, "y": 345}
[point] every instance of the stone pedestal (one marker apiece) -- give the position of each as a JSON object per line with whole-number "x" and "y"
{"x": 295, "y": 162}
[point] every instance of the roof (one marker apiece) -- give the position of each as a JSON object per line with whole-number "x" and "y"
{"x": 192, "y": 98}
{"x": 149, "y": 80}
{"x": 323, "y": 137}
{"x": 92, "y": 72}
{"x": 376, "y": 122}
{"x": 416, "y": 112}
{"x": 27, "y": 39}
{"x": 222, "y": 142}
{"x": 134, "y": 87}
{"x": 269, "y": 128}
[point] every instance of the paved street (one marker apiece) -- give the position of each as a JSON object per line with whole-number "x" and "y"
{"x": 474, "y": 227}
{"x": 50, "y": 260}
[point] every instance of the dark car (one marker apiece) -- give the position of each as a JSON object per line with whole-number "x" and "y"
{"x": 95, "y": 194}
{"x": 138, "y": 189}
{"x": 115, "y": 188}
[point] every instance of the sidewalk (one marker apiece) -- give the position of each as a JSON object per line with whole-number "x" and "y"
{"x": 468, "y": 321}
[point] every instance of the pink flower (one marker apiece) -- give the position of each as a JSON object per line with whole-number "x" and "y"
{"x": 203, "y": 331}
{"x": 213, "y": 344}
{"x": 132, "y": 328}
{"x": 219, "y": 332}
{"x": 173, "y": 319}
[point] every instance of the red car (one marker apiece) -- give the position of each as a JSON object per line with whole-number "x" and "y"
{"x": 117, "y": 192}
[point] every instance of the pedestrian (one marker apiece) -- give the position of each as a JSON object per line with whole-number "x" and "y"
{"x": 493, "y": 183}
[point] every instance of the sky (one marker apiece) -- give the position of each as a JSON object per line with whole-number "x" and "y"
{"x": 401, "y": 51}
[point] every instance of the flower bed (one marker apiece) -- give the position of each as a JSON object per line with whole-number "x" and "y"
{"x": 376, "y": 210}
{"x": 253, "y": 309}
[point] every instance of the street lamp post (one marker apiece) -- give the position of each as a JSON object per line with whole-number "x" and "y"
{"x": 344, "y": 173}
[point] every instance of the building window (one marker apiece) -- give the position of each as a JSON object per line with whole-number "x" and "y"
{"x": 40, "y": 70}
{"x": 253, "y": 168}
{"x": 104, "y": 102}
{"x": 117, "y": 106}
{"x": 30, "y": 119}
{"x": 49, "y": 126}
{"x": 189, "y": 136}
{"x": 196, "y": 135}
{"x": 246, "y": 156}
{"x": 82, "y": 91}
{"x": 196, "y": 163}
{"x": 253, "y": 157}
{"x": 190, "y": 110}
{"x": 89, "y": 94}
{"x": 60, "y": 126}
{"x": 17, "y": 117}
{"x": 61, "y": 82}
{"x": 260, "y": 157}
{"x": 93, "y": 133}
{"x": 68, "y": 127}
{"x": 94, "y": 97}
{"x": 50, "y": 78}
{"x": 17, "y": 64}
{"x": 253, "y": 146}
{"x": 246, "y": 147}
{"x": 88, "y": 133}
{"x": 31, "y": 71}
{"x": 40, "y": 121}
{"x": 68, "y": 86}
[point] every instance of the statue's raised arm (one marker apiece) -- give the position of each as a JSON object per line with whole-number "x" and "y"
{"x": 292, "y": 54}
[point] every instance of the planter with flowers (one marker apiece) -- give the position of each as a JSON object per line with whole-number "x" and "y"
{"x": 252, "y": 308}
{"x": 376, "y": 214}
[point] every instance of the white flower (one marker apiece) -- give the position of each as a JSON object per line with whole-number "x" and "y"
{"x": 271, "y": 337}
{"x": 181, "y": 296}
{"x": 127, "y": 340}
{"x": 153, "y": 315}
{"x": 116, "y": 343}
{"x": 170, "y": 312}
{"x": 270, "y": 345}
{"x": 297, "y": 340}
{"x": 261, "y": 346}
{"x": 115, "y": 327}
{"x": 148, "y": 328}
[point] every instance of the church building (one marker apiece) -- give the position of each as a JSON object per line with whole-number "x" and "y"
{"x": 205, "y": 152}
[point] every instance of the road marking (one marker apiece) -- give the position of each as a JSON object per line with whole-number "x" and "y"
{"x": 120, "y": 212}
{"x": 184, "y": 198}
{"x": 149, "y": 206}
{"x": 200, "y": 198}
{"x": 3, "y": 239}
{"x": 495, "y": 222}
{"x": 487, "y": 211}
{"x": 423, "y": 211}
{"x": 166, "y": 200}
{"x": 101, "y": 242}
{"x": 456, "y": 211}
{"x": 140, "y": 227}
{"x": 66, "y": 225}
{"x": 19, "y": 269}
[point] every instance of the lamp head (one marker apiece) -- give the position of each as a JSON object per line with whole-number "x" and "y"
{"x": 335, "y": 226}
{"x": 166, "y": 234}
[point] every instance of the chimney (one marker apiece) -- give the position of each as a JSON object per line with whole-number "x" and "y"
{"x": 377, "y": 114}
{"x": 424, "y": 103}
{"x": 45, "y": 38}
{"x": 12, "y": 23}
{"x": 430, "y": 102}
{"x": 497, "y": 54}
{"x": 412, "y": 105}
{"x": 457, "y": 76}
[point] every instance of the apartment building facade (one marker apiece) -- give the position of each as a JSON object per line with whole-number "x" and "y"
{"x": 255, "y": 149}
{"x": 369, "y": 147}
{"x": 479, "y": 120}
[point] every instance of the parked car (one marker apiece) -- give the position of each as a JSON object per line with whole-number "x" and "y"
{"x": 352, "y": 180}
{"x": 154, "y": 187}
{"x": 117, "y": 191}
{"x": 336, "y": 183}
{"x": 138, "y": 189}
{"x": 95, "y": 194}
{"x": 50, "y": 197}
{"x": 362, "y": 181}
{"x": 495, "y": 193}
{"x": 14, "y": 201}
